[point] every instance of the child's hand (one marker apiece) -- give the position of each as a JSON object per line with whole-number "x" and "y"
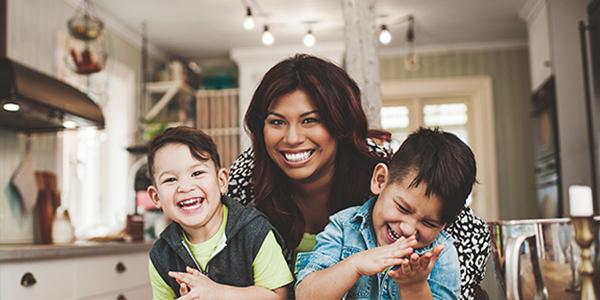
{"x": 416, "y": 268}
{"x": 373, "y": 261}
{"x": 193, "y": 284}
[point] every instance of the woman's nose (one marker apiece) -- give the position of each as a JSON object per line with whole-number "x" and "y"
{"x": 294, "y": 135}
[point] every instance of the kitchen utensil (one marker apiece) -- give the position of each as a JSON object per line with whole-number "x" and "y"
{"x": 48, "y": 201}
{"x": 23, "y": 180}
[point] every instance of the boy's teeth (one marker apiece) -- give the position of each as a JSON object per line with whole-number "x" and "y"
{"x": 297, "y": 156}
{"x": 393, "y": 233}
{"x": 190, "y": 203}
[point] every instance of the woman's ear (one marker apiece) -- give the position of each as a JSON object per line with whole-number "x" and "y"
{"x": 223, "y": 177}
{"x": 379, "y": 178}
{"x": 153, "y": 193}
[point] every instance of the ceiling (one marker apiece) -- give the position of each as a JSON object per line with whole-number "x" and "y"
{"x": 210, "y": 28}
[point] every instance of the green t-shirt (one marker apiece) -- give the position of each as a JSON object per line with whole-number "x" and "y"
{"x": 269, "y": 266}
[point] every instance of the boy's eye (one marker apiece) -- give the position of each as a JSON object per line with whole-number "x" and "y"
{"x": 198, "y": 173}
{"x": 170, "y": 179}
{"x": 429, "y": 224}
{"x": 402, "y": 209}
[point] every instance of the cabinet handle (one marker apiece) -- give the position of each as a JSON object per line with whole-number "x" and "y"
{"x": 120, "y": 268}
{"x": 547, "y": 64}
{"x": 121, "y": 297}
{"x": 28, "y": 280}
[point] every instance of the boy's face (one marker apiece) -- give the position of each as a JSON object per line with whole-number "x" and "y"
{"x": 188, "y": 190}
{"x": 403, "y": 211}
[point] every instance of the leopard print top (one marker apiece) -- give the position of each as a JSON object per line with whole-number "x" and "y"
{"x": 470, "y": 232}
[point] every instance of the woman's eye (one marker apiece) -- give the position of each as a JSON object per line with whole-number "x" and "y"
{"x": 310, "y": 120}
{"x": 275, "y": 122}
{"x": 403, "y": 210}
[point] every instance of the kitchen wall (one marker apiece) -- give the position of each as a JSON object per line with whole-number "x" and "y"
{"x": 509, "y": 69}
{"x": 32, "y": 37}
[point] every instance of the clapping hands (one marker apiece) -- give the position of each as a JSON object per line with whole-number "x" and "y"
{"x": 193, "y": 285}
{"x": 373, "y": 261}
{"x": 415, "y": 268}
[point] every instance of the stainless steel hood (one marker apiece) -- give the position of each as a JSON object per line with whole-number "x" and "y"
{"x": 44, "y": 103}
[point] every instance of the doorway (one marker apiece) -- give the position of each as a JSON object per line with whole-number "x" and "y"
{"x": 461, "y": 105}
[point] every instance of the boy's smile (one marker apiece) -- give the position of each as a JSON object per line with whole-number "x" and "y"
{"x": 403, "y": 211}
{"x": 189, "y": 191}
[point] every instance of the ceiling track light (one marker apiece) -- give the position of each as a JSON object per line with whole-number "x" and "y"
{"x": 309, "y": 39}
{"x": 410, "y": 32}
{"x": 248, "y": 21}
{"x": 267, "y": 36}
{"x": 385, "y": 37}
{"x": 11, "y": 106}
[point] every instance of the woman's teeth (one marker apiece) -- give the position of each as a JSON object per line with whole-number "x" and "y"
{"x": 300, "y": 156}
{"x": 191, "y": 203}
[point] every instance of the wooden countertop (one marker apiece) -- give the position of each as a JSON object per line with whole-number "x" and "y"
{"x": 25, "y": 252}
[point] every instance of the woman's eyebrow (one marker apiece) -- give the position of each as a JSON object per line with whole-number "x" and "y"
{"x": 301, "y": 115}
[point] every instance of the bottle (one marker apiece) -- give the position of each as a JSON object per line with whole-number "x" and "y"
{"x": 62, "y": 229}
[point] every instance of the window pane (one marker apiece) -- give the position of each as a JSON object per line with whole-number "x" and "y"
{"x": 445, "y": 114}
{"x": 394, "y": 117}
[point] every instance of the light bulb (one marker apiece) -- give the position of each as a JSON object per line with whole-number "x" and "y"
{"x": 248, "y": 21}
{"x": 10, "y": 106}
{"x": 267, "y": 37}
{"x": 69, "y": 124}
{"x": 309, "y": 39}
{"x": 385, "y": 37}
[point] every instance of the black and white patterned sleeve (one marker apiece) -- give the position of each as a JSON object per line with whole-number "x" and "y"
{"x": 473, "y": 244}
{"x": 240, "y": 178}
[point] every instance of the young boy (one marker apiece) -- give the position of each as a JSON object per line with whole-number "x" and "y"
{"x": 233, "y": 246}
{"x": 394, "y": 246}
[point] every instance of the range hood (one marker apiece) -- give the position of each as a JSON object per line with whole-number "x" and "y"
{"x": 31, "y": 101}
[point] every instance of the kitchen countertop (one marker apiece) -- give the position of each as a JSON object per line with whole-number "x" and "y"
{"x": 25, "y": 252}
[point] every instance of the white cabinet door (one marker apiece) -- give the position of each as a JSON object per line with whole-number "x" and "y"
{"x": 140, "y": 293}
{"x": 48, "y": 280}
{"x": 101, "y": 274}
{"x": 539, "y": 45}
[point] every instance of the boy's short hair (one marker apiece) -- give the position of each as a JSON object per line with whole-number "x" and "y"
{"x": 442, "y": 161}
{"x": 199, "y": 143}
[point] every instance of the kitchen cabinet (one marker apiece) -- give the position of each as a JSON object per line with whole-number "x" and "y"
{"x": 122, "y": 276}
{"x": 535, "y": 14}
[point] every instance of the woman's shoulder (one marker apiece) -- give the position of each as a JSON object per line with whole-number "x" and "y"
{"x": 240, "y": 177}
{"x": 379, "y": 148}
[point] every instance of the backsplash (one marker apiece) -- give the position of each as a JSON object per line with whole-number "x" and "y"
{"x": 16, "y": 226}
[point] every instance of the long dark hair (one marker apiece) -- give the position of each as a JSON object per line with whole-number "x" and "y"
{"x": 337, "y": 98}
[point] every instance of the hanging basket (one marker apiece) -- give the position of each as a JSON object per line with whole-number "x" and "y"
{"x": 86, "y": 58}
{"x": 84, "y": 25}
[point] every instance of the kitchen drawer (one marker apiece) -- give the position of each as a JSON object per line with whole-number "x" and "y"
{"x": 139, "y": 293}
{"x": 53, "y": 280}
{"x": 102, "y": 274}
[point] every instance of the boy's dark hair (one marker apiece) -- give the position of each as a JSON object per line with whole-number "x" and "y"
{"x": 442, "y": 161}
{"x": 199, "y": 143}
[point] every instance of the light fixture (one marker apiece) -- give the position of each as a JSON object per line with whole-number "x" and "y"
{"x": 385, "y": 37}
{"x": 69, "y": 124}
{"x": 267, "y": 36}
{"x": 248, "y": 21}
{"x": 11, "y": 106}
{"x": 411, "y": 61}
{"x": 309, "y": 39}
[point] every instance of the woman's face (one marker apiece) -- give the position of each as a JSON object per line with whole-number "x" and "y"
{"x": 297, "y": 140}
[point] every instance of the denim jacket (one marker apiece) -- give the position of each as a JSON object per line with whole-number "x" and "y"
{"x": 350, "y": 231}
